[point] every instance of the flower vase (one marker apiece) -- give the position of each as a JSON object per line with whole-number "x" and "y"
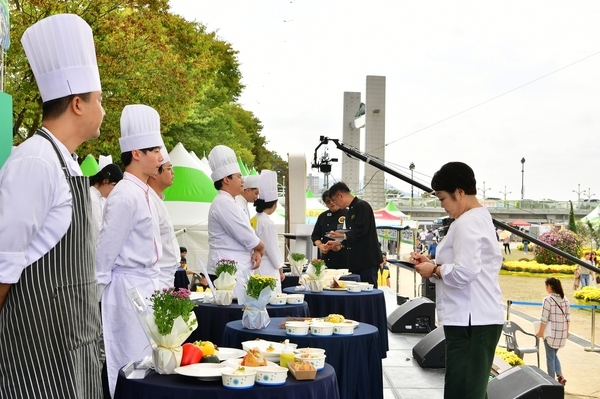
{"x": 223, "y": 297}
{"x": 166, "y": 360}
{"x": 316, "y": 285}
{"x": 255, "y": 319}
{"x": 297, "y": 267}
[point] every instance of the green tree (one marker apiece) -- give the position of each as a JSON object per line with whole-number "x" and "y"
{"x": 572, "y": 225}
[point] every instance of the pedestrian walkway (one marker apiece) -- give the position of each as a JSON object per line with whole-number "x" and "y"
{"x": 404, "y": 378}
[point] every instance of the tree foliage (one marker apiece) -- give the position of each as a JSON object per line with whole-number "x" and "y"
{"x": 572, "y": 225}
{"x": 146, "y": 55}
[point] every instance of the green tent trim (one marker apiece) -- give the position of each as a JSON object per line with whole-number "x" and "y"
{"x": 243, "y": 167}
{"x": 89, "y": 166}
{"x": 309, "y": 194}
{"x": 190, "y": 185}
{"x": 391, "y": 207}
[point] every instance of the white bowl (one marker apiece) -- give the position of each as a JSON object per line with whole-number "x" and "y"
{"x": 354, "y": 289}
{"x": 368, "y": 287}
{"x": 232, "y": 380}
{"x": 312, "y": 351}
{"x": 321, "y": 328}
{"x": 271, "y": 375}
{"x": 295, "y": 298}
{"x": 262, "y": 346}
{"x": 343, "y": 328}
{"x": 280, "y": 299}
{"x": 296, "y": 328}
{"x": 318, "y": 361}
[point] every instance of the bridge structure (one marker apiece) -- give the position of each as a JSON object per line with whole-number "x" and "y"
{"x": 532, "y": 211}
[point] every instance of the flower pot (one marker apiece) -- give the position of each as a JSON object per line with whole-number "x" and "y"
{"x": 255, "y": 319}
{"x": 166, "y": 360}
{"x": 316, "y": 285}
{"x": 223, "y": 297}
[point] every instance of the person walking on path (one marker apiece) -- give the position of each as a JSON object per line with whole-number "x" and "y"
{"x": 555, "y": 310}
{"x": 49, "y": 319}
{"x": 506, "y": 243}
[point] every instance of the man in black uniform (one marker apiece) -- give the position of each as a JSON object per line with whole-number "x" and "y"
{"x": 364, "y": 253}
{"x": 332, "y": 219}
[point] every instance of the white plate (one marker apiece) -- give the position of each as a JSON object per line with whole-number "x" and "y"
{"x": 235, "y": 363}
{"x": 202, "y": 371}
{"x": 196, "y": 295}
{"x": 230, "y": 353}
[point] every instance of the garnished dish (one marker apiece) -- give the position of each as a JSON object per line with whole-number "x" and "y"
{"x": 335, "y": 318}
{"x": 254, "y": 358}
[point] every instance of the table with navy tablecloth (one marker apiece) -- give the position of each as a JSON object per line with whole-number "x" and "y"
{"x": 364, "y": 306}
{"x": 213, "y": 318}
{"x": 355, "y": 358}
{"x": 174, "y": 386}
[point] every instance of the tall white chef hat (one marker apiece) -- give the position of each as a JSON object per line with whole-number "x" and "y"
{"x": 165, "y": 155}
{"x": 251, "y": 181}
{"x": 223, "y": 162}
{"x": 104, "y": 160}
{"x": 140, "y": 128}
{"x": 60, "y": 50}
{"x": 267, "y": 185}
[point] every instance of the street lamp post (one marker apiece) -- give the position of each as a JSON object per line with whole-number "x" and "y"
{"x": 522, "y": 178}
{"x": 505, "y": 193}
{"x": 412, "y": 168}
{"x": 484, "y": 190}
{"x": 578, "y": 192}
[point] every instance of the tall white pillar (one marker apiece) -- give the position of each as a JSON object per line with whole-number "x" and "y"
{"x": 374, "y": 179}
{"x": 350, "y": 136}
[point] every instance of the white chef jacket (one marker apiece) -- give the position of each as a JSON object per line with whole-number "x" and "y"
{"x": 471, "y": 261}
{"x": 98, "y": 202}
{"x": 35, "y": 204}
{"x": 241, "y": 201}
{"x": 169, "y": 262}
{"x": 230, "y": 237}
{"x": 128, "y": 250}
{"x": 272, "y": 260}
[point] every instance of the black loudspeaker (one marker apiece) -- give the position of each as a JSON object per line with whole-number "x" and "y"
{"x": 416, "y": 316}
{"x": 524, "y": 382}
{"x": 431, "y": 350}
{"x": 429, "y": 289}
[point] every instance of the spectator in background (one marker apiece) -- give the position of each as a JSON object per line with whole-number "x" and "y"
{"x": 555, "y": 310}
{"x": 383, "y": 273}
{"x": 432, "y": 248}
{"x": 584, "y": 272}
{"x": 506, "y": 243}
{"x": 183, "y": 252}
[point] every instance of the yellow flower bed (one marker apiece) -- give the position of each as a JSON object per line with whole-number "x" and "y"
{"x": 588, "y": 294}
{"x": 532, "y": 267}
{"x": 509, "y": 357}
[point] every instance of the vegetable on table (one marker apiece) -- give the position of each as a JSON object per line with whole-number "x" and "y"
{"x": 191, "y": 354}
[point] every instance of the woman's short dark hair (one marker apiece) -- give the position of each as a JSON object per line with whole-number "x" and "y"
{"x": 556, "y": 286}
{"x": 454, "y": 175}
{"x": 261, "y": 205}
{"x": 55, "y": 108}
{"x": 182, "y": 249}
{"x": 325, "y": 195}
{"x": 111, "y": 172}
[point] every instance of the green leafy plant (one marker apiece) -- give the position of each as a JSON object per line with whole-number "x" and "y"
{"x": 297, "y": 257}
{"x": 227, "y": 266}
{"x": 168, "y": 305}
{"x": 319, "y": 265}
{"x": 257, "y": 283}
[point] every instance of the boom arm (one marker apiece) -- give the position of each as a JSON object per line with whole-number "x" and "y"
{"x": 353, "y": 152}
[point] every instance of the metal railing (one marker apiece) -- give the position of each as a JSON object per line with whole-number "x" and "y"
{"x": 592, "y": 347}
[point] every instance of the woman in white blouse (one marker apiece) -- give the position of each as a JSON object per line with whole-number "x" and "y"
{"x": 101, "y": 184}
{"x": 465, "y": 273}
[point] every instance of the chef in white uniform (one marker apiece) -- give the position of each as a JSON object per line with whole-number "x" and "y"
{"x": 129, "y": 245}
{"x": 272, "y": 260}
{"x": 169, "y": 262}
{"x": 249, "y": 195}
{"x": 229, "y": 233}
{"x": 49, "y": 321}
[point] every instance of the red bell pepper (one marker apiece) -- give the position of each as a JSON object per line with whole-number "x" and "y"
{"x": 191, "y": 354}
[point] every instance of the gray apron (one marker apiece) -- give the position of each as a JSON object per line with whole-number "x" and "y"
{"x": 50, "y": 323}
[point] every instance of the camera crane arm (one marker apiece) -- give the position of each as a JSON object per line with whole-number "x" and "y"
{"x": 353, "y": 152}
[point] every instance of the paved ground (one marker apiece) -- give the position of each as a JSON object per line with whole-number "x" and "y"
{"x": 403, "y": 378}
